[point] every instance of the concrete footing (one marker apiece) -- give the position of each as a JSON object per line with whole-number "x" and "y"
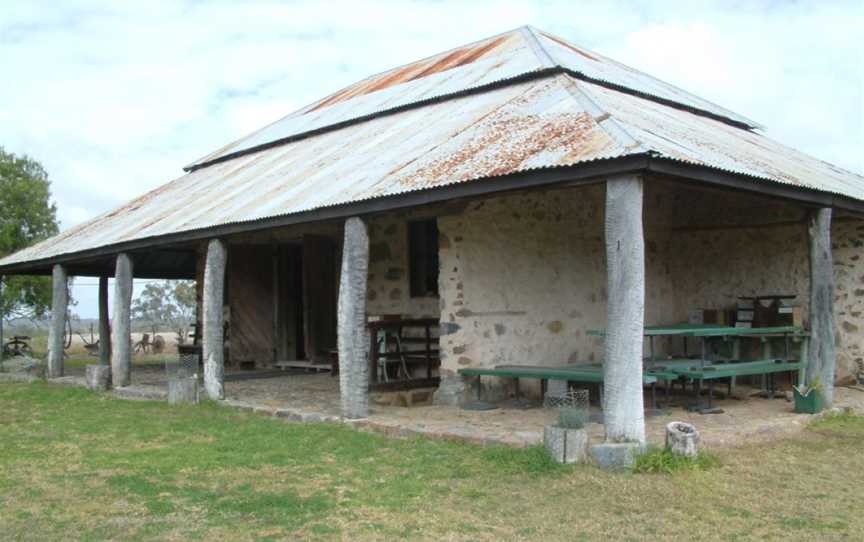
{"x": 556, "y": 388}
{"x": 98, "y": 377}
{"x": 566, "y": 445}
{"x": 616, "y": 455}
{"x": 682, "y": 439}
{"x": 183, "y": 391}
{"x": 452, "y": 390}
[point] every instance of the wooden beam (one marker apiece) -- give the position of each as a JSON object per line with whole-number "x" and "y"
{"x": 353, "y": 338}
{"x": 59, "y": 306}
{"x": 625, "y": 279}
{"x": 121, "y": 331}
{"x": 821, "y": 356}
{"x": 213, "y": 348}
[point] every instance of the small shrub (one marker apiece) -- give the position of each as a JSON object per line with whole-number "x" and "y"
{"x": 662, "y": 461}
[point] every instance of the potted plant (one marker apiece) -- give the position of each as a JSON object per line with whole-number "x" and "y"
{"x": 808, "y": 399}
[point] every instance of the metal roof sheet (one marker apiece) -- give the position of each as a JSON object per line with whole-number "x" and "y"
{"x": 514, "y": 128}
{"x": 499, "y": 58}
{"x": 699, "y": 140}
{"x": 551, "y": 121}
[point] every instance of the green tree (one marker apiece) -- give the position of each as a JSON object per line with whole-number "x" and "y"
{"x": 27, "y": 216}
{"x": 167, "y": 303}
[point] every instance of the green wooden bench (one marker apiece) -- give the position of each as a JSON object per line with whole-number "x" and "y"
{"x": 591, "y": 374}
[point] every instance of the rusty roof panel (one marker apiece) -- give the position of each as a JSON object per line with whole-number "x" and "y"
{"x": 556, "y": 120}
{"x": 513, "y": 128}
{"x": 691, "y": 138}
{"x": 494, "y": 59}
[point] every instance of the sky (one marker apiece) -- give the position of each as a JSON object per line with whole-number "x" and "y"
{"x": 114, "y": 98}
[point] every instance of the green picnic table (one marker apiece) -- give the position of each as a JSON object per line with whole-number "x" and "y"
{"x": 704, "y": 369}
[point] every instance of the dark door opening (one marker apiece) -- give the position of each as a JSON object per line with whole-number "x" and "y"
{"x": 289, "y": 324}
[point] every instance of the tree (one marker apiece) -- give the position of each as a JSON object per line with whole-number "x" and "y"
{"x": 167, "y": 302}
{"x": 27, "y": 216}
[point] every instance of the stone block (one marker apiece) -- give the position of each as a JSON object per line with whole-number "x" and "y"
{"x": 98, "y": 377}
{"x": 183, "y": 390}
{"x": 682, "y": 439}
{"x": 616, "y": 455}
{"x": 566, "y": 445}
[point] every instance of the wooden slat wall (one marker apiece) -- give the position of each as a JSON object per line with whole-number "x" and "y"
{"x": 250, "y": 275}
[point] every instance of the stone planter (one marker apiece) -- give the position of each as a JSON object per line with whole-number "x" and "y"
{"x": 183, "y": 390}
{"x": 566, "y": 445}
{"x": 98, "y": 377}
{"x": 616, "y": 455}
{"x": 682, "y": 439}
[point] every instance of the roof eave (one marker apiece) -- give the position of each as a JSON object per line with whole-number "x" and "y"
{"x": 579, "y": 174}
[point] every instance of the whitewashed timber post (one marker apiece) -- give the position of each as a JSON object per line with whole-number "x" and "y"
{"x": 353, "y": 335}
{"x": 821, "y": 356}
{"x": 104, "y": 324}
{"x": 213, "y": 347}
{"x": 121, "y": 331}
{"x": 59, "y": 306}
{"x": 623, "y": 412}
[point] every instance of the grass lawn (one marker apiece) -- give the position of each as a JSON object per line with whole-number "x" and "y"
{"x": 76, "y": 465}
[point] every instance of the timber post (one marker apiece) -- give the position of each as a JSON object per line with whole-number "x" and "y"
{"x": 59, "y": 306}
{"x": 623, "y": 408}
{"x": 121, "y": 331}
{"x": 821, "y": 355}
{"x": 104, "y": 324}
{"x": 213, "y": 347}
{"x": 353, "y": 335}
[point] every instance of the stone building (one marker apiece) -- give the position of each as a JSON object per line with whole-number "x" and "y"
{"x": 498, "y": 189}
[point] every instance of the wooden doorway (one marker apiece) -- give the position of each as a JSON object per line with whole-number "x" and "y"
{"x": 306, "y": 280}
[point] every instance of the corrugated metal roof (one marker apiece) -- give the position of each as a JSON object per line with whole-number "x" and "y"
{"x": 691, "y": 138}
{"x": 557, "y": 120}
{"x": 499, "y": 58}
{"x": 513, "y": 128}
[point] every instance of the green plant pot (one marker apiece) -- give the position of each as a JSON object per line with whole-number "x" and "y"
{"x": 808, "y": 404}
{"x": 573, "y": 418}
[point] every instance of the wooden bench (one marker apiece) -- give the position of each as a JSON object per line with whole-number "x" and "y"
{"x": 711, "y": 371}
{"x": 591, "y": 374}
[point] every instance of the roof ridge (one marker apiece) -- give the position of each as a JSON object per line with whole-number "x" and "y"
{"x": 603, "y": 118}
{"x": 545, "y": 58}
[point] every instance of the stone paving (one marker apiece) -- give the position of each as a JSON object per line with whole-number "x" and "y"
{"x": 754, "y": 418}
{"x": 315, "y": 398}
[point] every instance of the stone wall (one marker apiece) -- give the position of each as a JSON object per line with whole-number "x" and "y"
{"x": 389, "y": 291}
{"x": 523, "y": 276}
{"x": 848, "y": 249}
